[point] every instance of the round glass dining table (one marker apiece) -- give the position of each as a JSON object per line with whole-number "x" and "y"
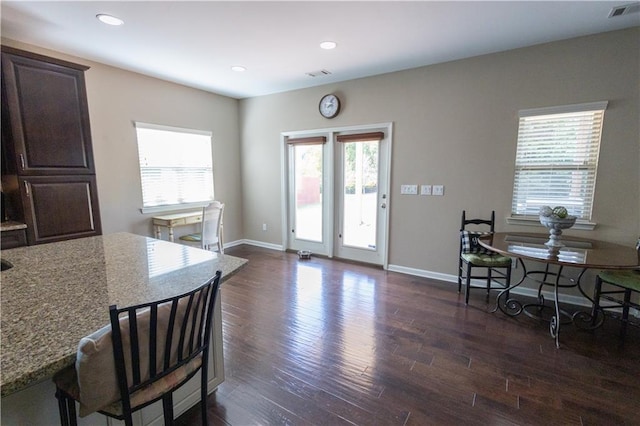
{"x": 582, "y": 253}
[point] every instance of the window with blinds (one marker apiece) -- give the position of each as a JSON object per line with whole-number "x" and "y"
{"x": 557, "y": 159}
{"x": 176, "y": 166}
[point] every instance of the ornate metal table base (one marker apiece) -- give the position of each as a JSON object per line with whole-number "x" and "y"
{"x": 513, "y": 307}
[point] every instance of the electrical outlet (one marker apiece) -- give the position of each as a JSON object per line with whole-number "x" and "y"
{"x": 438, "y": 189}
{"x": 264, "y": 226}
{"x": 425, "y": 189}
{"x": 409, "y": 189}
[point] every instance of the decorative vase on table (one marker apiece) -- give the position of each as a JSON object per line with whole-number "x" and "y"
{"x": 555, "y": 220}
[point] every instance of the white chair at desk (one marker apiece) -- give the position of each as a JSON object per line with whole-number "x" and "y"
{"x": 211, "y": 228}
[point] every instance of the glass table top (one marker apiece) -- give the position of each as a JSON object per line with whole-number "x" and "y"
{"x": 579, "y": 252}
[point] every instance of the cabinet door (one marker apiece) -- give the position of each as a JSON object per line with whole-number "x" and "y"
{"x": 60, "y": 207}
{"x": 12, "y": 239}
{"x": 46, "y": 104}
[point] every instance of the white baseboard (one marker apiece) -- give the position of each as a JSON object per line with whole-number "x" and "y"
{"x": 423, "y": 273}
{"x": 523, "y": 291}
{"x": 262, "y": 244}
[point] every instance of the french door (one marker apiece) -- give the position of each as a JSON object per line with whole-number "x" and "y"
{"x": 337, "y": 186}
{"x": 361, "y": 195}
{"x": 308, "y": 198}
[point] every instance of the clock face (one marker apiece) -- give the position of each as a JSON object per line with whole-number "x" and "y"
{"x": 329, "y": 106}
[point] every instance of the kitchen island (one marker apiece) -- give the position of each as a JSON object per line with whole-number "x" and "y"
{"x": 57, "y": 293}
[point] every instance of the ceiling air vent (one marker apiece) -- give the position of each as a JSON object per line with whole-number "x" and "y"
{"x": 624, "y": 10}
{"x": 318, "y": 73}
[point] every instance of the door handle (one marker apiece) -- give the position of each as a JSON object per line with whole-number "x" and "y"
{"x": 384, "y": 205}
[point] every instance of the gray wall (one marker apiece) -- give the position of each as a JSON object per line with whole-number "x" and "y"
{"x": 456, "y": 124}
{"x": 116, "y": 99}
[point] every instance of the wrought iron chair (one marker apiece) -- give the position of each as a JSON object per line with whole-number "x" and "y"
{"x": 145, "y": 354}
{"x": 212, "y": 227}
{"x": 619, "y": 287}
{"x": 497, "y": 268}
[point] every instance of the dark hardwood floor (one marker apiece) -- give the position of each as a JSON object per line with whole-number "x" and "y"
{"x": 327, "y": 342}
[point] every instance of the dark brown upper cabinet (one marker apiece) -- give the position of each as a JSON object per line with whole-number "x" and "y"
{"x": 48, "y": 172}
{"x": 48, "y": 114}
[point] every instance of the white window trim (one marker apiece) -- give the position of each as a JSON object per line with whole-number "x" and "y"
{"x": 591, "y": 106}
{"x": 173, "y": 207}
{"x": 143, "y": 125}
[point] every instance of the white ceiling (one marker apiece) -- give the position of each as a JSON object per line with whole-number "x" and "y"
{"x": 196, "y": 43}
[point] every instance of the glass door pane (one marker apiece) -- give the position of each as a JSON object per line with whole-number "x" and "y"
{"x": 308, "y": 192}
{"x": 360, "y": 192}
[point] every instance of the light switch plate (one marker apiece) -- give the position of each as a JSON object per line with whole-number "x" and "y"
{"x": 438, "y": 189}
{"x": 409, "y": 189}
{"x": 425, "y": 189}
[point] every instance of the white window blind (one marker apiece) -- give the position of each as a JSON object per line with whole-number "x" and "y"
{"x": 176, "y": 166}
{"x": 557, "y": 159}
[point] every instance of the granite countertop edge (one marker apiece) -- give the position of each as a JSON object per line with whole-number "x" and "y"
{"x": 47, "y": 371}
{"x": 11, "y": 225}
{"x": 229, "y": 265}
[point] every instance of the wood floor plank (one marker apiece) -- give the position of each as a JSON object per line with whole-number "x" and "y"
{"x": 324, "y": 342}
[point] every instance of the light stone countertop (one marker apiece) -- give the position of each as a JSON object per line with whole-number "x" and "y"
{"x": 10, "y": 225}
{"x": 57, "y": 293}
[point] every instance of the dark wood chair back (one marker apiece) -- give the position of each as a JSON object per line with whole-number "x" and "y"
{"x": 497, "y": 270}
{"x": 153, "y": 340}
{"x": 489, "y": 222}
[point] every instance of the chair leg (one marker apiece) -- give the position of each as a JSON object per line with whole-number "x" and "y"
{"x": 468, "y": 286}
{"x": 128, "y": 418}
{"x": 71, "y": 405}
{"x": 167, "y": 408}
{"x": 203, "y": 396}
{"x": 66, "y": 408}
{"x": 625, "y": 313}
{"x": 459, "y": 274}
{"x": 62, "y": 408}
{"x": 488, "y": 281}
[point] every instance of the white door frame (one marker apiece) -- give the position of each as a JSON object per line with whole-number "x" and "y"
{"x": 342, "y": 250}
{"x": 290, "y": 241}
{"x": 328, "y": 190}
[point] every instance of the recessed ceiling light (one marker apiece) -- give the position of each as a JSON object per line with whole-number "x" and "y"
{"x": 238, "y": 68}
{"x": 109, "y": 19}
{"x": 328, "y": 45}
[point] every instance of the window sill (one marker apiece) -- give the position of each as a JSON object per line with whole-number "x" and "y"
{"x": 530, "y": 221}
{"x": 174, "y": 207}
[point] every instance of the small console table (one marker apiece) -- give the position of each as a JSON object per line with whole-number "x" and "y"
{"x": 170, "y": 221}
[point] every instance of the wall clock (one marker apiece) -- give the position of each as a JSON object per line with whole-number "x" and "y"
{"x": 329, "y": 106}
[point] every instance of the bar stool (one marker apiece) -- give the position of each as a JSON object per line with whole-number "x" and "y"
{"x": 146, "y": 353}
